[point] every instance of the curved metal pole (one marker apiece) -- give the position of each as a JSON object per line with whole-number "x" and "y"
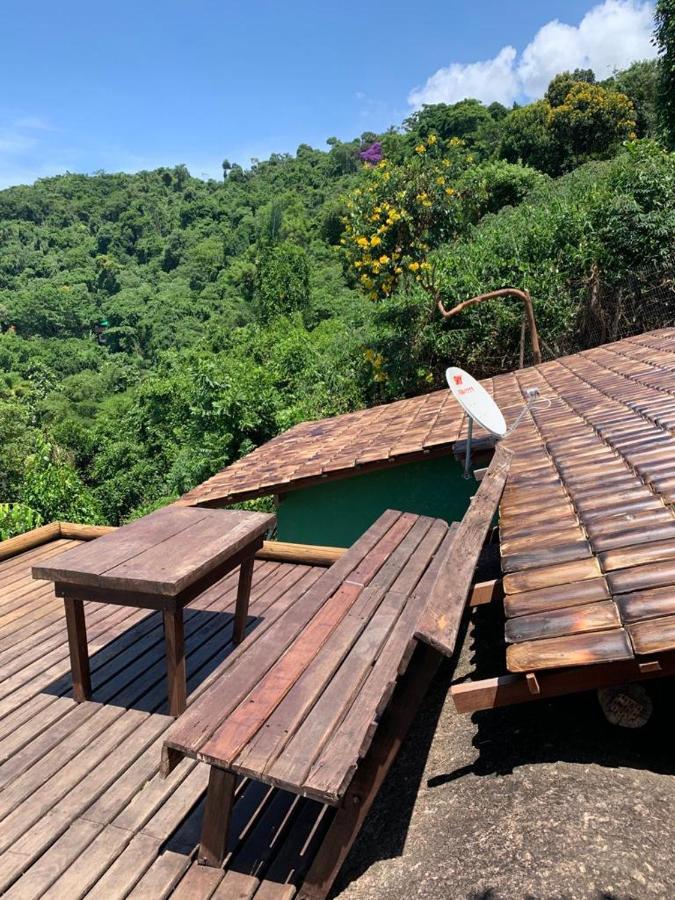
{"x": 502, "y": 292}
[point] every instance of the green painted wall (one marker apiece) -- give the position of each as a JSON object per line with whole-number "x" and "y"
{"x": 338, "y": 512}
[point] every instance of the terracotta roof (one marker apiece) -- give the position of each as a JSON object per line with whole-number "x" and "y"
{"x": 586, "y": 522}
{"x": 391, "y": 434}
{"x": 587, "y": 528}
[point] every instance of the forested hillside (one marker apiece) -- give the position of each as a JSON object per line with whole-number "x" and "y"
{"x": 155, "y": 327}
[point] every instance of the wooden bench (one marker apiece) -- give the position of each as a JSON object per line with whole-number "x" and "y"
{"x": 301, "y": 703}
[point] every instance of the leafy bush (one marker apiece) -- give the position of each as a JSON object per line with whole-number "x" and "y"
{"x": 15, "y": 518}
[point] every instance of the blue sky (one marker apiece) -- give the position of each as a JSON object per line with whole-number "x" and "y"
{"x": 134, "y": 85}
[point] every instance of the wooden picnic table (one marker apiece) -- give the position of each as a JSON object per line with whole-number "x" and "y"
{"x": 159, "y": 562}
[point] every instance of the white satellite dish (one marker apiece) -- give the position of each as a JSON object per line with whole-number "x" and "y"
{"x": 475, "y": 401}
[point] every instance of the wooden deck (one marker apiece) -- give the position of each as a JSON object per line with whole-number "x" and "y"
{"x": 83, "y": 810}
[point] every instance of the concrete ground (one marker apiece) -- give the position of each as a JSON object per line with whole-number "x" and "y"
{"x": 543, "y": 800}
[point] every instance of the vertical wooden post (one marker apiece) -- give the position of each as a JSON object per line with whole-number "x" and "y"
{"x": 243, "y": 596}
{"x": 175, "y": 660}
{"x": 77, "y": 645}
{"x": 217, "y": 816}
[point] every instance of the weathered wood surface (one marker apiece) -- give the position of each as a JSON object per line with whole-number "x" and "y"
{"x": 569, "y": 650}
{"x": 571, "y": 620}
{"x": 160, "y": 562}
{"x": 162, "y": 553}
{"x": 443, "y": 610}
{"x": 298, "y": 704}
{"x": 505, "y": 690}
{"x": 586, "y": 523}
{"x": 83, "y": 808}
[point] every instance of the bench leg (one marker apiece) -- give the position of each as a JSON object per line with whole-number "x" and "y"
{"x": 77, "y": 645}
{"x": 369, "y": 776}
{"x": 243, "y": 595}
{"x": 175, "y": 660}
{"x": 217, "y": 815}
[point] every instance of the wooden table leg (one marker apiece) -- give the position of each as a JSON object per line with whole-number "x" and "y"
{"x": 77, "y": 645}
{"x": 243, "y": 596}
{"x": 175, "y": 660}
{"x": 217, "y": 815}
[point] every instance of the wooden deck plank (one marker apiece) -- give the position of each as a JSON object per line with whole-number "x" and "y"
{"x": 82, "y": 795}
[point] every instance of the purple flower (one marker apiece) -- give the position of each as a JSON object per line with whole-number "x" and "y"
{"x": 373, "y": 154}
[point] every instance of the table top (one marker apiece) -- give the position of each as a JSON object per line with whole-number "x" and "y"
{"x": 163, "y": 553}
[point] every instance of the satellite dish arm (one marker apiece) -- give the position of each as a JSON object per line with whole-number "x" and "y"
{"x": 502, "y": 292}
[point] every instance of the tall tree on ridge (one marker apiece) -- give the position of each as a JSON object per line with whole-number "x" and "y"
{"x": 664, "y": 38}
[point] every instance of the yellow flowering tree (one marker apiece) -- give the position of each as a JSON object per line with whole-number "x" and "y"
{"x": 401, "y": 211}
{"x": 591, "y": 123}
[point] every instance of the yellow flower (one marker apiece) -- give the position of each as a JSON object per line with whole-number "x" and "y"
{"x": 384, "y": 259}
{"x": 413, "y": 266}
{"x": 432, "y": 138}
{"x": 375, "y": 240}
{"x": 449, "y": 191}
{"x": 362, "y": 241}
{"x": 440, "y": 180}
{"x": 420, "y": 148}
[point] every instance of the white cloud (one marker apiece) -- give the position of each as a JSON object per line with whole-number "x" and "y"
{"x": 491, "y": 79}
{"x": 610, "y": 36}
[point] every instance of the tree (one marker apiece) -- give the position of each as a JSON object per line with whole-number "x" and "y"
{"x": 468, "y": 120}
{"x": 53, "y": 489}
{"x": 562, "y": 84}
{"x": 48, "y": 310}
{"x": 282, "y": 280}
{"x": 526, "y": 136}
{"x": 640, "y": 83}
{"x": 399, "y": 212}
{"x": 664, "y": 38}
{"x": 591, "y": 124}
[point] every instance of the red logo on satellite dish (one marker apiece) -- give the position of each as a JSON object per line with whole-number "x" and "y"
{"x": 457, "y": 379}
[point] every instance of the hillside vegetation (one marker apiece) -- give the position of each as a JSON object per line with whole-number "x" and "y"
{"x": 155, "y": 327}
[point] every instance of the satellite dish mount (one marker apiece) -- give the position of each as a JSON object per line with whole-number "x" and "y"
{"x": 481, "y": 408}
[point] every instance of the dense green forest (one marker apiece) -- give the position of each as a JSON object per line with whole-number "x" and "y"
{"x": 155, "y": 327}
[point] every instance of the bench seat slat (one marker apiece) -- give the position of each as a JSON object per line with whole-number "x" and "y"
{"x": 338, "y": 759}
{"x": 439, "y": 624}
{"x": 278, "y": 729}
{"x": 254, "y": 656}
{"x": 382, "y": 566}
{"x": 291, "y": 768}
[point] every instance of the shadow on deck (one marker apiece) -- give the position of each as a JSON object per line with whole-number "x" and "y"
{"x": 83, "y": 809}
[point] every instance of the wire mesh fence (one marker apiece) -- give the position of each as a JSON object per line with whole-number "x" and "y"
{"x": 608, "y": 312}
